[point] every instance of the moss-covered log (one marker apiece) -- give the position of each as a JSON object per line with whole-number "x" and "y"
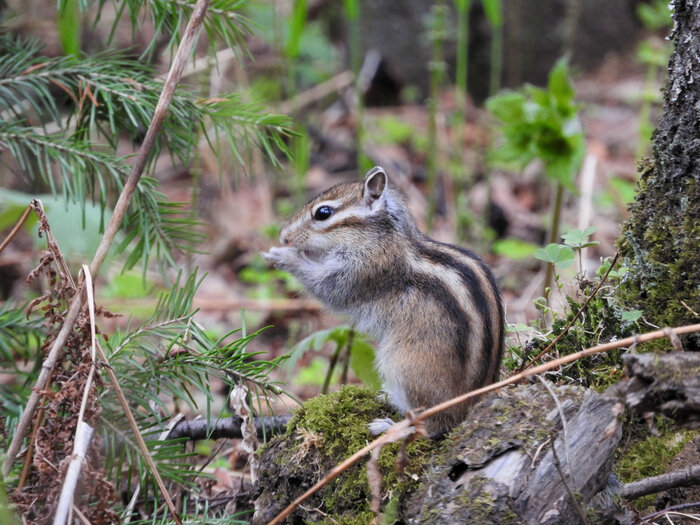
{"x": 496, "y": 467}
{"x": 661, "y": 241}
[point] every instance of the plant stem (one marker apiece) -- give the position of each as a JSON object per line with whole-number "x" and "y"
{"x": 496, "y": 54}
{"x": 463, "y": 7}
{"x": 436, "y": 68}
{"x": 553, "y": 233}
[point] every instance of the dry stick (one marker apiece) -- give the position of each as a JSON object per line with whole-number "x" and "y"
{"x": 682, "y": 506}
{"x": 401, "y": 426}
{"x": 16, "y": 228}
{"x": 577, "y": 505}
{"x": 670, "y": 480}
{"x": 573, "y": 320}
{"x": 179, "y": 62}
{"x": 83, "y": 431}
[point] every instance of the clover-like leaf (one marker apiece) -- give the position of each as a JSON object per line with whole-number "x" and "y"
{"x": 557, "y": 254}
{"x": 579, "y": 239}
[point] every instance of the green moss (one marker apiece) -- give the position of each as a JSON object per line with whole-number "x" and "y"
{"x": 648, "y": 454}
{"x": 600, "y": 322}
{"x": 325, "y": 431}
{"x": 660, "y": 243}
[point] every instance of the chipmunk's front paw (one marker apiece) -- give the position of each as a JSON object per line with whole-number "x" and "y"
{"x": 380, "y": 425}
{"x": 283, "y": 258}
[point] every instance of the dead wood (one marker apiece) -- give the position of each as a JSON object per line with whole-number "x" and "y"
{"x": 668, "y": 384}
{"x": 500, "y": 465}
{"x": 670, "y": 480}
{"x": 228, "y": 428}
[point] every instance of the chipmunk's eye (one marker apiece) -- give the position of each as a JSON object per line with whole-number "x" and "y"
{"x": 323, "y": 213}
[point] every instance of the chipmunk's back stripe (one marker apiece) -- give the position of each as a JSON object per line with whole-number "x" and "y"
{"x": 479, "y": 301}
{"x": 399, "y": 279}
{"x": 500, "y": 325}
{"x": 435, "y": 288}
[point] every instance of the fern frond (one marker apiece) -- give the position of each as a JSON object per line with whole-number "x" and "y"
{"x": 154, "y": 226}
{"x": 170, "y": 360}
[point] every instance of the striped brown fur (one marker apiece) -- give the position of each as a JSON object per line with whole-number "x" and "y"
{"x": 434, "y": 309}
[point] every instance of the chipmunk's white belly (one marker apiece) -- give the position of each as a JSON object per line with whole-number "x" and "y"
{"x": 391, "y": 381}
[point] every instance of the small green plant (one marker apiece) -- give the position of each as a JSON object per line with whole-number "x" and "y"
{"x": 437, "y": 34}
{"x": 494, "y": 14}
{"x": 359, "y": 354}
{"x": 543, "y": 124}
{"x": 578, "y": 240}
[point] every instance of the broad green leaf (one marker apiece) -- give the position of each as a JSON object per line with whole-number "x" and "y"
{"x": 514, "y": 248}
{"x": 362, "y": 363}
{"x": 631, "y": 316}
{"x": 559, "y": 84}
{"x": 508, "y": 106}
{"x": 579, "y": 238}
{"x": 557, "y": 254}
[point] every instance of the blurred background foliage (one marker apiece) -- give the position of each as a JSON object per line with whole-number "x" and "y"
{"x": 504, "y": 122}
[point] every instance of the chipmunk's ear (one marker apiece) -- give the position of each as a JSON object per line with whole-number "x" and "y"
{"x": 375, "y": 184}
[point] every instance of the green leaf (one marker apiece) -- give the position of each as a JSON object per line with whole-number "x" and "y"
{"x": 362, "y": 363}
{"x": 514, "y": 248}
{"x": 557, "y": 254}
{"x": 68, "y": 25}
{"x": 508, "y": 106}
{"x": 631, "y": 316}
{"x": 297, "y": 21}
{"x": 580, "y": 238}
{"x": 559, "y": 85}
{"x": 352, "y": 9}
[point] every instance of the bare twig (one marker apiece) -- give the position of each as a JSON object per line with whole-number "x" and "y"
{"x": 670, "y": 509}
{"x": 654, "y": 484}
{"x": 83, "y": 434}
{"x": 16, "y": 228}
{"x": 400, "y": 428}
{"x": 577, "y": 504}
{"x": 338, "y": 82}
{"x": 180, "y": 60}
{"x": 229, "y": 428}
{"x": 573, "y": 319}
{"x": 83, "y": 431}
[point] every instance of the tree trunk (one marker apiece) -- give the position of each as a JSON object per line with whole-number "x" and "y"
{"x": 661, "y": 242}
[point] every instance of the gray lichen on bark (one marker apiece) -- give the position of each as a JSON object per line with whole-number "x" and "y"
{"x": 661, "y": 241}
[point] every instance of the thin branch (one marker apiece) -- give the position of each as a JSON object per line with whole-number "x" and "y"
{"x": 16, "y": 228}
{"x": 670, "y": 509}
{"x": 229, "y": 428}
{"x": 573, "y": 319}
{"x": 577, "y": 504}
{"x": 83, "y": 434}
{"x": 181, "y": 57}
{"x": 83, "y": 431}
{"x": 402, "y": 426}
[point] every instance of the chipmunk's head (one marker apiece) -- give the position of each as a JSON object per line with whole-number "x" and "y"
{"x": 345, "y": 215}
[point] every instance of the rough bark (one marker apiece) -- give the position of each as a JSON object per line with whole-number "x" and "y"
{"x": 661, "y": 241}
{"x": 497, "y": 467}
{"x": 229, "y": 428}
{"x": 665, "y": 383}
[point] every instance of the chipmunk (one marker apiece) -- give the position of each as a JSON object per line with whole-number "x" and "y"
{"x": 434, "y": 309}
